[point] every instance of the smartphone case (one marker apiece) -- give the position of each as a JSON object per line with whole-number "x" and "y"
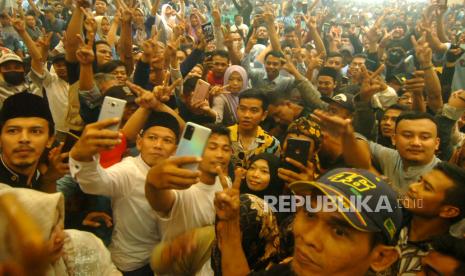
{"x": 195, "y": 145}
{"x": 112, "y": 108}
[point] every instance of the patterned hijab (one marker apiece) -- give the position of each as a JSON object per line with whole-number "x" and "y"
{"x": 276, "y": 185}
{"x": 260, "y": 235}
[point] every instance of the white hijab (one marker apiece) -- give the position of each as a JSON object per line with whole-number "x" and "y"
{"x": 83, "y": 252}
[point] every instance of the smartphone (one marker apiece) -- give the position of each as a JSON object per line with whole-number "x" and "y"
{"x": 200, "y": 92}
{"x": 409, "y": 63}
{"x": 326, "y": 28}
{"x": 192, "y": 143}
{"x": 70, "y": 140}
{"x": 298, "y": 150}
{"x": 112, "y": 108}
{"x": 207, "y": 30}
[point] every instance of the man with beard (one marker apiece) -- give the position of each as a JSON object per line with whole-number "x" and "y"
{"x": 26, "y": 131}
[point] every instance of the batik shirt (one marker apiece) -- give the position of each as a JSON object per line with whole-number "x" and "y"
{"x": 264, "y": 142}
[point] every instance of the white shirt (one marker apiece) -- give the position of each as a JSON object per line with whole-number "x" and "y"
{"x": 242, "y": 27}
{"x": 57, "y": 95}
{"x": 191, "y": 209}
{"x": 136, "y": 229}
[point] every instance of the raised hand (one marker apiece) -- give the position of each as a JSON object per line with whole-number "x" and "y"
{"x": 95, "y": 138}
{"x": 90, "y": 24}
{"x": 44, "y": 41}
{"x": 457, "y": 99}
{"x": 423, "y": 52}
{"x": 85, "y": 54}
{"x": 315, "y": 61}
{"x": 18, "y": 23}
{"x": 216, "y": 15}
{"x": 58, "y": 161}
{"x": 332, "y": 124}
{"x": 218, "y": 90}
{"x": 169, "y": 174}
{"x": 145, "y": 98}
{"x": 372, "y": 83}
{"x": 163, "y": 92}
{"x": 416, "y": 84}
{"x": 227, "y": 202}
{"x": 252, "y": 41}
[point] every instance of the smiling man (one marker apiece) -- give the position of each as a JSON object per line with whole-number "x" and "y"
{"x": 180, "y": 206}
{"x": 136, "y": 229}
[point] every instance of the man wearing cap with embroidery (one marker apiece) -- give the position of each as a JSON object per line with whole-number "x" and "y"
{"x": 135, "y": 225}
{"x": 330, "y": 238}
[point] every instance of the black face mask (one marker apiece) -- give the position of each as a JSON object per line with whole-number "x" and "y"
{"x": 13, "y": 78}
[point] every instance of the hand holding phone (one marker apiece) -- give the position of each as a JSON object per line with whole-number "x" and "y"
{"x": 298, "y": 150}
{"x": 192, "y": 143}
{"x": 207, "y": 30}
{"x": 112, "y": 108}
{"x": 200, "y": 92}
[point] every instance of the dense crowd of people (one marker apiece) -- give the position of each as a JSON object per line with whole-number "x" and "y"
{"x": 361, "y": 104}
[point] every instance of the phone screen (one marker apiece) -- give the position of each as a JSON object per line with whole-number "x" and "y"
{"x": 207, "y": 30}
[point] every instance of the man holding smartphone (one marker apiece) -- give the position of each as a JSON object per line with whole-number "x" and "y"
{"x": 182, "y": 198}
{"x": 136, "y": 227}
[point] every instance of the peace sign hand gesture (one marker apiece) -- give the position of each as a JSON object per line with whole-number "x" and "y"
{"x": 163, "y": 92}
{"x": 371, "y": 83}
{"x": 227, "y": 202}
{"x": 85, "y": 54}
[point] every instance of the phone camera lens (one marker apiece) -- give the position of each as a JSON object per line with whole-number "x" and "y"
{"x": 189, "y": 132}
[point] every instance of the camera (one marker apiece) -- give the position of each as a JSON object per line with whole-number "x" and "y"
{"x": 189, "y": 132}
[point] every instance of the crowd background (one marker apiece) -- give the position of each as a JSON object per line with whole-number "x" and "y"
{"x": 373, "y": 91}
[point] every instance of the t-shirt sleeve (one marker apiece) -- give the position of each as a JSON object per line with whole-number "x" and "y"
{"x": 384, "y": 157}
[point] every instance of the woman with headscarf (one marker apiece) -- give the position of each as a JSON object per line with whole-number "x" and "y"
{"x": 72, "y": 252}
{"x": 197, "y": 252}
{"x": 225, "y": 104}
{"x": 103, "y": 27}
{"x": 262, "y": 178}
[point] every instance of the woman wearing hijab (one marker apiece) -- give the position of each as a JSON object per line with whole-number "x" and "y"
{"x": 225, "y": 104}
{"x": 103, "y": 27}
{"x": 72, "y": 252}
{"x": 262, "y": 178}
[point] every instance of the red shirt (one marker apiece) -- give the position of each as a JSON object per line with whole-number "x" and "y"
{"x": 111, "y": 157}
{"x": 211, "y": 79}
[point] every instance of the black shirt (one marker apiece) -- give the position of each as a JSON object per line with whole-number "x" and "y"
{"x": 16, "y": 180}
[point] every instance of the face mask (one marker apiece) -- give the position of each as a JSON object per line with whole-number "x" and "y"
{"x": 13, "y": 78}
